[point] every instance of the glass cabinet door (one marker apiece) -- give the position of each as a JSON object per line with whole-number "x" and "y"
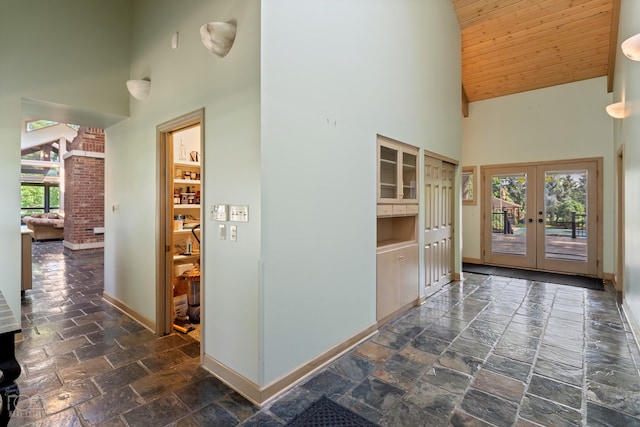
{"x": 409, "y": 171}
{"x": 388, "y": 174}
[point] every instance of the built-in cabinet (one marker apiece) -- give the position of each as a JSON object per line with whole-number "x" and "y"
{"x": 397, "y": 172}
{"x": 397, "y": 263}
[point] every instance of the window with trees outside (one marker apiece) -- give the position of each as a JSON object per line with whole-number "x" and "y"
{"x": 40, "y": 179}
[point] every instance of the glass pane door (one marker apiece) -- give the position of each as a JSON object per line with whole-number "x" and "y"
{"x": 388, "y": 173}
{"x": 566, "y": 209}
{"x": 542, "y": 216}
{"x": 409, "y": 170}
{"x": 509, "y": 234}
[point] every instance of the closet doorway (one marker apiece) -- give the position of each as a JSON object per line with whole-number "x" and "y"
{"x": 544, "y": 216}
{"x": 180, "y": 197}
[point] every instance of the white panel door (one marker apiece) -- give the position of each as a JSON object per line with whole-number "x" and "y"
{"x": 438, "y": 224}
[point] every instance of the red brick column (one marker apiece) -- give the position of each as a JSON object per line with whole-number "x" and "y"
{"x": 84, "y": 191}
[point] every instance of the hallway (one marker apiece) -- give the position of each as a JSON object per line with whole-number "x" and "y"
{"x": 486, "y": 351}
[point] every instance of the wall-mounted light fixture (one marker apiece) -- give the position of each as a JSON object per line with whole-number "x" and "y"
{"x": 616, "y": 110}
{"x": 631, "y": 47}
{"x": 218, "y": 37}
{"x": 139, "y": 89}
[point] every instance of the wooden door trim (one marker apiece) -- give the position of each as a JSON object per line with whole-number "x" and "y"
{"x": 619, "y": 277}
{"x": 164, "y": 259}
{"x": 600, "y": 197}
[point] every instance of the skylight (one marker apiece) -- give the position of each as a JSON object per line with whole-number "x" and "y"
{"x": 41, "y": 124}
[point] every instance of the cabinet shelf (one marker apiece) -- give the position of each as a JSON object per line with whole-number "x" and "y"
{"x": 186, "y": 206}
{"x": 185, "y": 231}
{"x": 185, "y": 163}
{"x": 187, "y": 181}
{"x": 186, "y": 257}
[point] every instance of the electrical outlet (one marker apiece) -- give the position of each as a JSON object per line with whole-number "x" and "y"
{"x": 233, "y": 233}
{"x": 222, "y": 231}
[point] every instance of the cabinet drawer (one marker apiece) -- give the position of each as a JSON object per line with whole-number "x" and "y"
{"x": 385, "y": 210}
{"x": 412, "y": 209}
{"x": 399, "y": 209}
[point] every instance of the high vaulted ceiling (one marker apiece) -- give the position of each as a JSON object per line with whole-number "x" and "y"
{"x": 512, "y": 46}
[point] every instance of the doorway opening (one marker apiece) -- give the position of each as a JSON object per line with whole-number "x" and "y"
{"x": 180, "y": 184}
{"x": 544, "y": 216}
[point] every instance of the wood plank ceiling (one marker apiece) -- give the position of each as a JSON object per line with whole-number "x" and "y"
{"x": 512, "y": 46}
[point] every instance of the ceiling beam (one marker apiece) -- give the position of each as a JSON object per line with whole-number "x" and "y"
{"x": 465, "y": 103}
{"x": 613, "y": 44}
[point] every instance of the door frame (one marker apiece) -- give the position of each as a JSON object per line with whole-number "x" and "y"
{"x": 486, "y": 199}
{"x": 619, "y": 277}
{"x": 164, "y": 222}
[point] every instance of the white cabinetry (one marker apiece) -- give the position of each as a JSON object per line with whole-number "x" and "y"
{"x": 397, "y": 172}
{"x": 397, "y": 269}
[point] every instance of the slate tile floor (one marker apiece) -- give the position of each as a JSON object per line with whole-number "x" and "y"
{"x": 488, "y": 351}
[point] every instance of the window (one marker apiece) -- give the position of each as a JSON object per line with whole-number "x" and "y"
{"x": 39, "y": 198}
{"x": 468, "y": 185}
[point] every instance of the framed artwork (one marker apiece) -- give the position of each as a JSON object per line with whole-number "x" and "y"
{"x": 469, "y": 185}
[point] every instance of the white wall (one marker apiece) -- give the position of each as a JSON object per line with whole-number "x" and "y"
{"x": 627, "y": 134}
{"x": 50, "y": 66}
{"x": 560, "y": 122}
{"x": 334, "y": 74}
{"x": 184, "y": 80}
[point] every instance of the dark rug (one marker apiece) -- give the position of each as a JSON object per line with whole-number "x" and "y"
{"x": 324, "y": 412}
{"x": 536, "y": 276}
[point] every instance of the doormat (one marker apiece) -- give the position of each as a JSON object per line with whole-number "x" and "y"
{"x": 536, "y": 276}
{"x": 324, "y": 412}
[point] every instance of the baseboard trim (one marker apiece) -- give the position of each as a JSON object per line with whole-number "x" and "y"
{"x": 472, "y": 260}
{"x": 389, "y": 317}
{"x": 83, "y": 246}
{"x": 260, "y": 396}
{"x": 126, "y": 309}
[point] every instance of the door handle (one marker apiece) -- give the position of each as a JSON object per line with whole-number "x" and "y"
{"x": 530, "y": 219}
{"x": 540, "y": 212}
{"x": 540, "y": 220}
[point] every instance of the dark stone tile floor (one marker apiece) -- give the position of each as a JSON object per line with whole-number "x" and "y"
{"x": 487, "y": 351}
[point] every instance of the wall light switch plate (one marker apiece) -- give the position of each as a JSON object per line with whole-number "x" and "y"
{"x": 115, "y": 208}
{"x": 233, "y": 233}
{"x": 220, "y": 213}
{"x": 239, "y": 213}
{"x": 222, "y": 231}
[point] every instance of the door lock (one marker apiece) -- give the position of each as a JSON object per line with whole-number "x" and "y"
{"x": 540, "y": 220}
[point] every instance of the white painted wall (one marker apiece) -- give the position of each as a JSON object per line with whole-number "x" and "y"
{"x": 334, "y": 74}
{"x": 560, "y": 122}
{"x": 184, "y": 80}
{"x": 627, "y": 134}
{"x": 58, "y": 59}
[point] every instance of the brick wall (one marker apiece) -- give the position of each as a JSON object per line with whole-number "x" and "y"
{"x": 84, "y": 189}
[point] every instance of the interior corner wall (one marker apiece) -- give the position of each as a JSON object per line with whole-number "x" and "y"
{"x": 627, "y": 133}
{"x": 334, "y": 74}
{"x": 43, "y": 61}
{"x": 184, "y": 80}
{"x": 555, "y": 123}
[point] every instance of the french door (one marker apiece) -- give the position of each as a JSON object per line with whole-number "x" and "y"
{"x": 543, "y": 216}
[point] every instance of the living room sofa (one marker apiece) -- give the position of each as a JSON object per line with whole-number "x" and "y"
{"x": 46, "y": 226}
